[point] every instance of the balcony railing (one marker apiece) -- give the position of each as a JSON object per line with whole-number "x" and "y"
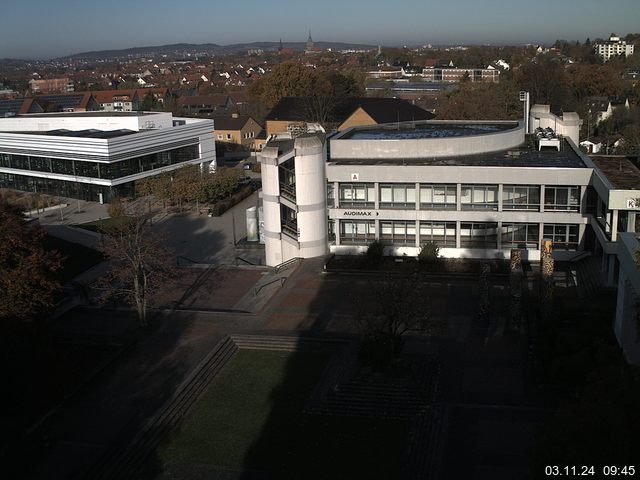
{"x": 288, "y": 191}
{"x": 290, "y": 228}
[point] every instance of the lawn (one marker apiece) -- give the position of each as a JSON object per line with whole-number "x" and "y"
{"x": 250, "y": 419}
{"x": 78, "y": 258}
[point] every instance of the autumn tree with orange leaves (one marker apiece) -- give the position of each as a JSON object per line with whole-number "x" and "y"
{"x": 28, "y": 284}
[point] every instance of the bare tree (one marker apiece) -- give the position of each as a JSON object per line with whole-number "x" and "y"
{"x": 140, "y": 261}
{"x": 394, "y": 307}
{"x": 319, "y": 108}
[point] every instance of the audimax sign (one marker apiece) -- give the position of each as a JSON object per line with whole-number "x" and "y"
{"x": 360, "y": 213}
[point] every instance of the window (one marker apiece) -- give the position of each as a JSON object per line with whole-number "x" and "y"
{"x": 478, "y": 235}
{"x": 5, "y": 160}
{"x": 479, "y": 197}
{"x": 330, "y": 195}
{"x": 19, "y": 161}
{"x": 398, "y": 233}
{"x": 398, "y": 196}
{"x": 229, "y": 137}
{"x": 565, "y": 199}
{"x": 287, "y": 176}
{"x": 357, "y": 232}
{"x": 442, "y": 234}
{"x": 438, "y": 197}
{"x": 521, "y": 197}
{"x": 64, "y": 167}
{"x": 40, "y": 164}
{"x": 331, "y": 231}
{"x": 219, "y": 136}
{"x": 143, "y": 163}
{"x": 289, "y": 221}
{"x": 359, "y": 195}
{"x": 90, "y": 169}
{"x": 520, "y": 235}
{"x": 564, "y": 237}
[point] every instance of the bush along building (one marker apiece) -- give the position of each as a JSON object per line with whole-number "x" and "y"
{"x": 96, "y": 156}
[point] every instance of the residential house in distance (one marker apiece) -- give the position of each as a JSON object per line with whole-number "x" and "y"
{"x": 296, "y": 111}
{"x": 118, "y": 100}
{"x": 375, "y": 111}
{"x": 601, "y": 108}
{"x": 160, "y": 94}
{"x": 206, "y": 105}
{"x": 235, "y": 128}
{"x": 19, "y": 106}
{"x": 51, "y": 85}
{"x": 69, "y": 102}
{"x": 614, "y": 47}
{"x": 8, "y": 93}
{"x": 604, "y": 145}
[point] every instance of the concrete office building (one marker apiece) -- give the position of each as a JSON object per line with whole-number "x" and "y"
{"x": 476, "y": 189}
{"x": 98, "y": 155}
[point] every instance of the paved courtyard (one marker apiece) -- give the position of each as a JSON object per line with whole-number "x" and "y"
{"x": 483, "y": 389}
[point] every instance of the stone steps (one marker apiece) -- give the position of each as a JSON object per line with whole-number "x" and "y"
{"x": 127, "y": 461}
{"x": 368, "y": 395}
{"x": 285, "y": 343}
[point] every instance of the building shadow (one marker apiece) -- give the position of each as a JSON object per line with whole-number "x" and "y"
{"x": 316, "y": 413}
{"x": 88, "y": 432}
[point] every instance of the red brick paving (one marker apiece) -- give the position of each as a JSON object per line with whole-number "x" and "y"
{"x": 213, "y": 289}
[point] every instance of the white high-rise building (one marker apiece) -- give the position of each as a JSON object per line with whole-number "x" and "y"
{"x": 614, "y": 47}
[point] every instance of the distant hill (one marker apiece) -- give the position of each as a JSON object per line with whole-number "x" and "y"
{"x": 212, "y": 48}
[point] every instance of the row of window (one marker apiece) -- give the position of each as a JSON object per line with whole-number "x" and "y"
{"x": 109, "y": 171}
{"x": 229, "y": 136}
{"x": 444, "y": 196}
{"x": 63, "y": 188}
{"x": 472, "y": 234}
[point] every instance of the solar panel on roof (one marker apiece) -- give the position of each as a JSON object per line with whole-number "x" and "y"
{"x": 64, "y": 101}
{"x": 10, "y": 106}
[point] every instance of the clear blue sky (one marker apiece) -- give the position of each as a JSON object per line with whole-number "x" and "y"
{"x": 49, "y": 28}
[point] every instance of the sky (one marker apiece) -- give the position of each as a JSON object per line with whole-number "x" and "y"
{"x": 53, "y": 28}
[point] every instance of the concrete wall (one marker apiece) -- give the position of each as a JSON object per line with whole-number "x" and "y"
{"x": 626, "y": 323}
{"x": 457, "y": 174}
{"x": 54, "y": 121}
{"x": 268, "y": 159}
{"x": 568, "y": 125}
{"x": 311, "y": 196}
{"x": 428, "y": 147}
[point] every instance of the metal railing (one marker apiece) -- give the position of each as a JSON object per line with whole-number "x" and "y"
{"x": 189, "y": 260}
{"x": 288, "y": 263}
{"x": 288, "y": 191}
{"x": 244, "y": 261}
{"x": 257, "y": 290}
{"x": 291, "y": 229}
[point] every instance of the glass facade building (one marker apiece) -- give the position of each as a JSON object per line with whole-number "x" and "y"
{"x": 98, "y": 155}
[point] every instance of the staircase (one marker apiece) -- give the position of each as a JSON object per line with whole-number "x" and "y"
{"x": 126, "y": 461}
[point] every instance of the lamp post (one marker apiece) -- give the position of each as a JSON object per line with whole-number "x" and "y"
{"x": 524, "y": 97}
